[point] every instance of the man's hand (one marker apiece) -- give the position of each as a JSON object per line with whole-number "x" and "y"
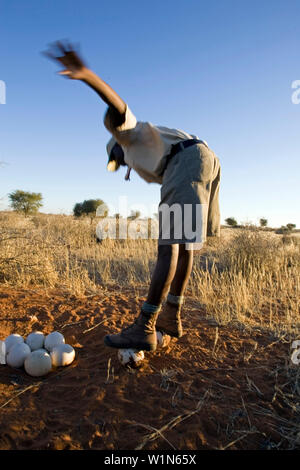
{"x": 76, "y": 69}
{"x": 65, "y": 54}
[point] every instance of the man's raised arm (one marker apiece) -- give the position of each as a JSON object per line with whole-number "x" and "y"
{"x": 76, "y": 69}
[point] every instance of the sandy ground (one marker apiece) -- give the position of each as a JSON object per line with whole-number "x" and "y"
{"x": 215, "y": 388}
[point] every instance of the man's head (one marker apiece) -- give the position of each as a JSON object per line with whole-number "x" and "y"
{"x": 115, "y": 155}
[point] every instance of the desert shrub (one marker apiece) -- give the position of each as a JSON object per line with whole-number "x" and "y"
{"x": 290, "y": 240}
{"x": 248, "y": 251}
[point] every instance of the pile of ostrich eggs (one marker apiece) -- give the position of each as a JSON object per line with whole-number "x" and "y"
{"x": 38, "y": 354}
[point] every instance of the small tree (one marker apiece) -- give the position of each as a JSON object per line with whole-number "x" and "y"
{"x": 25, "y": 202}
{"x": 89, "y": 207}
{"x": 290, "y": 227}
{"x": 263, "y": 222}
{"x": 77, "y": 210}
{"x": 231, "y": 222}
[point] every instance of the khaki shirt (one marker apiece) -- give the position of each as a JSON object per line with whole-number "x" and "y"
{"x": 145, "y": 146}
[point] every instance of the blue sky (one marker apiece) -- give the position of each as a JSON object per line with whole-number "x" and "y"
{"x": 222, "y": 70}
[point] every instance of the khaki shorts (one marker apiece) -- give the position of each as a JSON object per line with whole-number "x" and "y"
{"x": 189, "y": 207}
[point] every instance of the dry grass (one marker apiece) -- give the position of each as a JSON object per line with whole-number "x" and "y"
{"x": 253, "y": 278}
{"x": 248, "y": 276}
{"x": 248, "y": 280}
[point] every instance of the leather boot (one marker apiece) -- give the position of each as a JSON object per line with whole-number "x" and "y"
{"x": 169, "y": 321}
{"x": 141, "y": 335}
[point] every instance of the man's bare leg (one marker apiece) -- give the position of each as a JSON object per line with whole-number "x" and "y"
{"x": 163, "y": 274}
{"x": 169, "y": 320}
{"x": 142, "y": 334}
{"x": 183, "y": 271}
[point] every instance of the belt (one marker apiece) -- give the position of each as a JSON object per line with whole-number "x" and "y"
{"x": 181, "y": 146}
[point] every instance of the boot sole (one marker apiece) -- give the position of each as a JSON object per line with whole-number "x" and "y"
{"x": 137, "y": 346}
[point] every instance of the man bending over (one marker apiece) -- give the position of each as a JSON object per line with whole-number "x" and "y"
{"x": 189, "y": 175}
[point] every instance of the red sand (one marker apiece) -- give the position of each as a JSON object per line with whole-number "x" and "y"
{"x": 198, "y": 395}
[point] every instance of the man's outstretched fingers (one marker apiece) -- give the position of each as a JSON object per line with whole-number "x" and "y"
{"x": 61, "y": 47}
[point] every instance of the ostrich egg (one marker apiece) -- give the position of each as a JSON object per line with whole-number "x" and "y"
{"x": 38, "y": 363}
{"x": 62, "y": 355}
{"x": 35, "y": 340}
{"x": 162, "y": 339}
{"x": 17, "y": 355}
{"x": 2, "y": 352}
{"x": 53, "y": 339}
{"x": 11, "y": 340}
{"x": 130, "y": 357}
